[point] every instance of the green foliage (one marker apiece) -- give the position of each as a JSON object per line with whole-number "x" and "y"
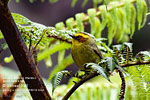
{"x": 1, "y": 35}
{"x": 100, "y": 70}
{"x": 97, "y": 89}
{"x": 61, "y": 66}
{"x": 111, "y": 63}
{"x": 8, "y": 59}
{"x": 143, "y": 55}
{"x": 138, "y": 82}
{"x": 92, "y": 14}
{"x": 79, "y": 19}
{"x": 139, "y": 74}
{"x": 142, "y": 7}
{"x": 53, "y": 49}
{"x": 57, "y": 78}
{"x": 117, "y": 18}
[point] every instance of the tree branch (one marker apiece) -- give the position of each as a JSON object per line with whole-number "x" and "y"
{"x": 59, "y": 38}
{"x": 135, "y": 63}
{"x": 22, "y": 56}
{"x": 95, "y": 74}
{"x": 78, "y": 84}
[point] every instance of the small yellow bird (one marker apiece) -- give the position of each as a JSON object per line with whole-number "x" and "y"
{"x": 84, "y": 49}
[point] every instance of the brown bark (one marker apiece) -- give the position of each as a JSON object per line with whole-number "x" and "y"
{"x": 22, "y": 56}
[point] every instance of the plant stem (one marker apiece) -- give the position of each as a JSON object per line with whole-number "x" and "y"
{"x": 123, "y": 86}
{"x": 78, "y": 84}
{"x": 135, "y": 63}
{"x": 95, "y": 74}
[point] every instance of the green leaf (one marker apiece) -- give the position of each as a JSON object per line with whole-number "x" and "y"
{"x": 20, "y": 19}
{"x": 145, "y": 72}
{"x": 129, "y": 45}
{"x": 145, "y": 9}
{"x": 61, "y": 55}
{"x": 92, "y": 14}
{"x": 95, "y": 3}
{"x": 49, "y": 51}
{"x": 104, "y": 16}
{"x": 117, "y": 47}
{"x": 79, "y": 20}
{"x": 66, "y": 62}
{"x": 84, "y": 3}
{"x": 100, "y": 70}
{"x": 57, "y": 78}
{"x": 114, "y": 17}
{"x": 8, "y": 59}
{"x": 121, "y": 22}
{"x": 128, "y": 15}
{"x": 60, "y": 26}
{"x": 136, "y": 76}
{"x": 110, "y": 29}
{"x": 48, "y": 62}
{"x": 111, "y": 63}
{"x": 133, "y": 18}
{"x": 1, "y": 35}
{"x": 144, "y": 54}
{"x": 139, "y": 12}
{"x": 97, "y": 28}
{"x": 109, "y": 51}
{"x": 53, "y": 1}
{"x": 73, "y": 3}
{"x": 69, "y": 23}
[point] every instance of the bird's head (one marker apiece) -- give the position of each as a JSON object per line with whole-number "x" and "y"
{"x": 82, "y": 38}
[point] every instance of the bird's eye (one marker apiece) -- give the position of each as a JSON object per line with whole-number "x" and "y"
{"x": 78, "y": 37}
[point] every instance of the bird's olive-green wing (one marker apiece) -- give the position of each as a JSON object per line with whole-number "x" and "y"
{"x": 97, "y": 51}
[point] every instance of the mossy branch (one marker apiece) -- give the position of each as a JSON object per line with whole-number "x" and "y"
{"x": 59, "y": 38}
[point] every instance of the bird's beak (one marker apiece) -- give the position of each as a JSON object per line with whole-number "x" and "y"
{"x": 71, "y": 35}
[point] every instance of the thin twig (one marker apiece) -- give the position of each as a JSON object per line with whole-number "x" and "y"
{"x": 78, "y": 84}
{"x": 30, "y": 45}
{"x": 135, "y": 63}
{"x": 95, "y": 74}
{"x": 38, "y": 41}
{"x": 123, "y": 86}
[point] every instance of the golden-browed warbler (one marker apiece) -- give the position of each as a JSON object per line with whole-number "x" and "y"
{"x": 84, "y": 49}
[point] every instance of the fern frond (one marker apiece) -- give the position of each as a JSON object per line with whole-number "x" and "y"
{"x": 57, "y": 78}
{"x": 55, "y": 48}
{"x": 145, "y": 72}
{"x": 61, "y": 66}
{"x": 138, "y": 82}
{"x": 79, "y": 19}
{"x": 121, "y": 26}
